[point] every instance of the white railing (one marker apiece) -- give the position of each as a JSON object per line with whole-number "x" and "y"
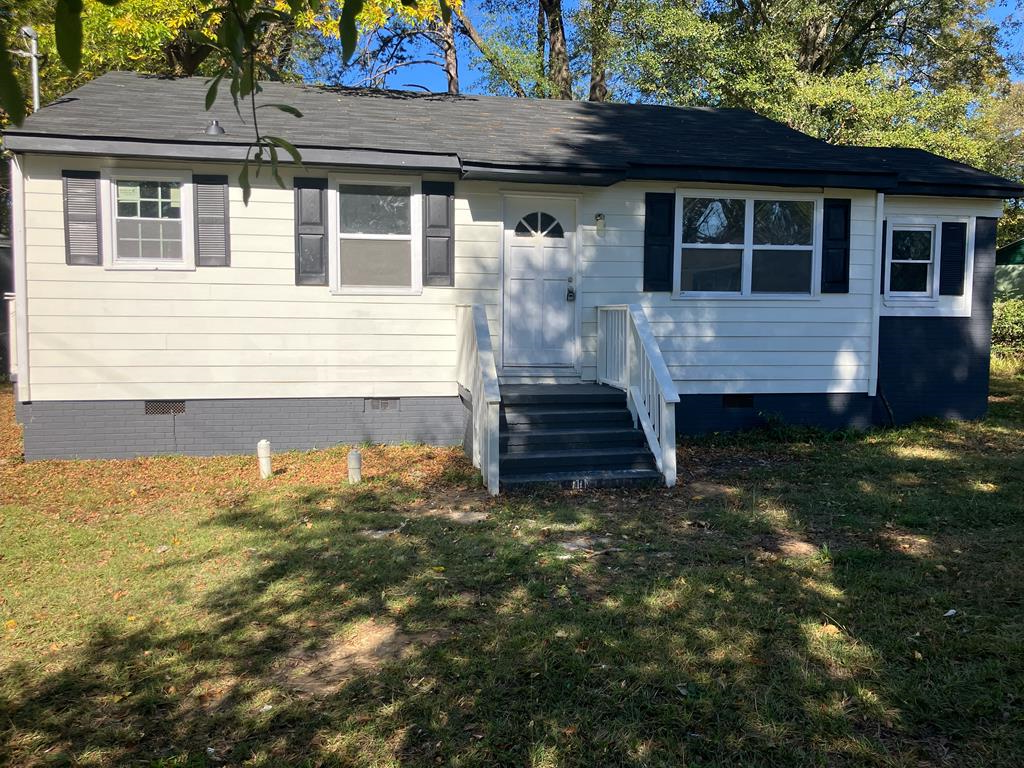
{"x": 476, "y": 372}
{"x": 12, "y": 335}
{"x": 629, "y": 358}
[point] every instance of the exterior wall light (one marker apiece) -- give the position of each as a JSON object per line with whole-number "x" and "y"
{"x": 214, "y": 129}
{"x": 599, "y": 223}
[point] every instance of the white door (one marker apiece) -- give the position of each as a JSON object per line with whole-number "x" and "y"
{"x": 539, "y": 291}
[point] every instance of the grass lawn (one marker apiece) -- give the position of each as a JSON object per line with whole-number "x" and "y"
{"x": 791, "y": 603}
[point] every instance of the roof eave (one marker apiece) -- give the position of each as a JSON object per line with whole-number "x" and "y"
{"x": 222, "y": 151}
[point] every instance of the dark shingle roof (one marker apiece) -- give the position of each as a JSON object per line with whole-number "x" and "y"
{"x": 486, "y": 132}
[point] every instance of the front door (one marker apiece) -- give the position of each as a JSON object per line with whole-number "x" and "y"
{"x": 539, "y": 289}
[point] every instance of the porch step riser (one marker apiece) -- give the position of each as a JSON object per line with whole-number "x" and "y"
{"x": 560, "y": 398}
{"x": 573, "y": 461}
{"x": 521, "y": 442}
{"x": 556, "y": 419}
{"x": 585, "y": 480}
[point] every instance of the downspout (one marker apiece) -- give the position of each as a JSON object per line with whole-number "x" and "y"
{"x": 24, "y": 392}
{"x": 876, "y": 293}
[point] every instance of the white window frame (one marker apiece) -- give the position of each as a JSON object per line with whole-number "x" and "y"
{"x": 931, "y": 224}
{"x": 748, "y": 246}
{"x": 108, "y": 212}
{"x": 335, "y": 236}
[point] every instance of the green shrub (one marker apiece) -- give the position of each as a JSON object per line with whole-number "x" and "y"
{"x": 1008, "y": 324}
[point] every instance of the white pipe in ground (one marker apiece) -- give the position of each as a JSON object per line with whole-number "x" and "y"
{"x": 355, "y": 466}
{"x": 263, "y": 455}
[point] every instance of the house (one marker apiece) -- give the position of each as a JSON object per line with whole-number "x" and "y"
{"x": 1010, "y": 270}
{"x": 563, "y": 286}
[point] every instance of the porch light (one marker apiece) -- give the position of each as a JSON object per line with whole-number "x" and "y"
{"x": 599, "y": 223}
{"x": 214, "y": 129}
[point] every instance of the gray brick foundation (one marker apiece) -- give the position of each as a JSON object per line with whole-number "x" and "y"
{"x": 122, "y": 428}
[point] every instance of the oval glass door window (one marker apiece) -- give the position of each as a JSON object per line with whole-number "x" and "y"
{"x": 539, "y": 223}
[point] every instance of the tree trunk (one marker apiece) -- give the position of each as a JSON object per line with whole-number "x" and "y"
{"x": 542, "y": 47}
{"x": 451, "y": 58}
{"x": 558, "y": 55}
{"x": 600, "y": 43}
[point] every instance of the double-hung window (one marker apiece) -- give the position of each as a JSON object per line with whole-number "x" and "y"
{"x": 911, "y": 270}
{"x": 376, "y": 245}
{"x": 149, "y": 215}
{"x": 746, "y": 246}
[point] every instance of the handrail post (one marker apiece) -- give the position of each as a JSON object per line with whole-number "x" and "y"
{"x": 668, "y": 441}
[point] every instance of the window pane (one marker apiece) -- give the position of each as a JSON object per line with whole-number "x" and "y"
{"x": 711, "y": 269}
{"x": 376, "y": 262}
{"x": 127, "y": 210}
{"x": 374, "y": 210}
{"x": 909, "y": 278}
{"x": 149, "y": 209}
{"x": 781, "y": 272}
{"x": 128, "y": 191}
{"x": 783, "y": 222}
{"x": 911, "y": 245}
{"x": 709, "y": 220}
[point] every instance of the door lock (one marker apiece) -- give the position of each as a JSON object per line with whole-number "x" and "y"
{"x": 570, "y": 293}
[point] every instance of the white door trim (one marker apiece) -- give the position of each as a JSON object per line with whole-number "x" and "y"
{"x": 575, "y": 368}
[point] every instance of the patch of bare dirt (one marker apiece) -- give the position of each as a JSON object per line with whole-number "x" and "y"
{"x": 464, "y": 506}
{"x": 364, "y": 648}
{"x": 700, "y": 490}
{"x": 784, "y": 544}
{"x": 908, "y": 544}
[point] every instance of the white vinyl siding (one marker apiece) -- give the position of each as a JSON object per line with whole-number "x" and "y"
{"x": 249, "y": 331}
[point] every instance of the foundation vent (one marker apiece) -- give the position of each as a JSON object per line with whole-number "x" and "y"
{"x": 164, "y": 407}
{"x": 382, "y": 404}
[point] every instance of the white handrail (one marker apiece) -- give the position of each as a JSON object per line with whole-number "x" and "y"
{"x": 629, "y": 358}
{"x": 477, "y": 373}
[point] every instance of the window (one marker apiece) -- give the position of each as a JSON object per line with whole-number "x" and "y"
{"x": 148, "y": 220}
{"x": 911, "y": 260}
{"x": 746, "y": 246}
{"x": 539, "y": 223}
{"x": 377, "y": 245}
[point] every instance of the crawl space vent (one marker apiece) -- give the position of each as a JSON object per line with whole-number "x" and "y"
{"x": 164, "y": 407}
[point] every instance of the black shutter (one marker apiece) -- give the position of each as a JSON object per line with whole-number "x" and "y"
{"x": 835, "y": 247}
{"x": 659, "y": 226}
{"x": 438, "y": 233}
{"x": 82, "y": 217}
{"x": 310, "y": 231}
{"x": 953, "y": 258}
{"x": 885, "y": 234}
{"x": 213, "y": 238}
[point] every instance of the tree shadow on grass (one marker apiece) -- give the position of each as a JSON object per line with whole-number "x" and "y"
{"x": 681, "y": 637}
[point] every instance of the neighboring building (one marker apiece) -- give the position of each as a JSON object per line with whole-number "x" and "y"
{"x": 1010, "y": 270}
{"x": 768, "y": 273}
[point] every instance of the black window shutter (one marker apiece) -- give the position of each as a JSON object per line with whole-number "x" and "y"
{"x": 310, "y": 231}
{"x": 82, "y": 217}
{"x": 953, "y": 258}
{"x": 213, "y": 236}
{"x": 438, "y": 233}
{"x": 885, "y": 234}
{"x": 835, "y": 247}
{"x": 659, "y": 227}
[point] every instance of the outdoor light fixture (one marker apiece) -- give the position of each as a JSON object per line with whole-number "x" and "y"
{"x": 599, "y": 223}
{"x": 214, "y": 129}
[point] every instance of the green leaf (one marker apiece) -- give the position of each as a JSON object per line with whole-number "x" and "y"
{"x": 284, "y": 108}
{"x": 287, "y": 146}
{"x": 11, "y": 98}
{"x": 211, "y": 92}
{"x": 67, "y": 22}
{"x": 347, "y": 30}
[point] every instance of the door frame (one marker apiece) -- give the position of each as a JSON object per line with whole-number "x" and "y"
{"x": 575, "y": 367}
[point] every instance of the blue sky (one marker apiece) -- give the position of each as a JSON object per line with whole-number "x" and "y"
{"x": 432, "y": 78}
